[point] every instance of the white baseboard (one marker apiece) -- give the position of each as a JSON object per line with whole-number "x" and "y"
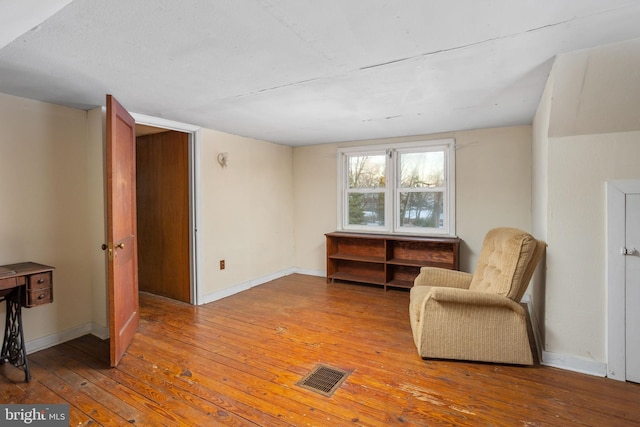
{"x": 100, "y": 331}
{"x": 574, "y": 363}
{"x": 57, "y": 338}
{"x": 561, "y": 361}
{"x": 319, "y": 273}
{"x": 214, "y": 296}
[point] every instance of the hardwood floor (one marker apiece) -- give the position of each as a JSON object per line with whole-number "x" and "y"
{"x": 236, "y": 361}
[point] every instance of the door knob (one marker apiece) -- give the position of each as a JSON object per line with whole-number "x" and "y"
{"x": 120, "y": 246}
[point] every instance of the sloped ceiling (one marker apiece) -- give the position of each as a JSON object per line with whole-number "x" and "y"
{"x": 300, "y": 72}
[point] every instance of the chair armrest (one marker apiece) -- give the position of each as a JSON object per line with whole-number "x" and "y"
{"x": 476, "y": 298}
{"x": 441, "y": 277}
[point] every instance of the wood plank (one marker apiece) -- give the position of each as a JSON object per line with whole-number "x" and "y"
{"x": 236, "y": 361}
{"x": 71, "y": 387}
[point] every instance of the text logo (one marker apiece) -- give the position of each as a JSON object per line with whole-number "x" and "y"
{"x": 34, "y": 415}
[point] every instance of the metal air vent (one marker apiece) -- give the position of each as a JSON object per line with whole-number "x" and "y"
{"x": 324, "y": 380}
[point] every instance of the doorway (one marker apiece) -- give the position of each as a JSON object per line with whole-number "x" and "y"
{"x": 623, "y": 280}
{"x": 162, "y": 201}
{"x": 166, "y": 204}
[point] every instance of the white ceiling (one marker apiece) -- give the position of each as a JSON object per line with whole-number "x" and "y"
{"x": 300, "y": 72}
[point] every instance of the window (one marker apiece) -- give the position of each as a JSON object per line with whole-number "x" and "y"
{"x": 399, "y": 188}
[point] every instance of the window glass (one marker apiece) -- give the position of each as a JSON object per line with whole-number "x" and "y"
{"x": 422, "y": 181}
{"x": 366, "y": 209}
{"x": 420, "y": 170}
{"x": 422, "y": 209}
{"x": 367, "y": 176}
{"x": 367, "y": 171}
{"x": 398, "y": 188}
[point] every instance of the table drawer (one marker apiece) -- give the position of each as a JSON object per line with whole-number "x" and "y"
{"x": 39, "y": 281}
{"x": 39, "y": 290}
{"x": 37, "y": 297}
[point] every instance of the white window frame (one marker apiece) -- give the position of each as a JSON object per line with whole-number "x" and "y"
{"x": 392, "y": 193}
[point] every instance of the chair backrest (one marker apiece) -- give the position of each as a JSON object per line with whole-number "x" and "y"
{"x": 507, "y": 261}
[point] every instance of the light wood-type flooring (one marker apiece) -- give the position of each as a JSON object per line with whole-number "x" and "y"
{"x": 236, "y": 361}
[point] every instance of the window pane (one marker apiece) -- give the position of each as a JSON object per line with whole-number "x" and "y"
{"x": 422, "y": 209}
{"x": 366, "y": 208}
{"x": 367, "y": 171}
{"x": 422, "y": 170}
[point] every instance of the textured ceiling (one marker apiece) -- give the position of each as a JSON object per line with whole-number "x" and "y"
{"x": 300, "y": 72}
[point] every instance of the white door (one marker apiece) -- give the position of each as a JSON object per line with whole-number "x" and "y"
{"x": 632, "y": 280}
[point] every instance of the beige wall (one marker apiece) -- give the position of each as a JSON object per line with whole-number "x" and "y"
{"x": 245, "y": 210}
{"x": 315, "y": 181}
{"x": 539, "y": 204}
{"x": 493, "y": 188}
{"x": 52, "y": 211}
{"x": 579, "y": 168}
{"x": 493, "y": 185}
{"x": 44, "y": 214}
{"x": 96, "y": 199}
{"x": 596, "y": 91}
{"x": 583, "y": 138}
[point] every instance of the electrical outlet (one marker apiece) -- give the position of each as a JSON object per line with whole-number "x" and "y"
{"x": 221, "y": 264}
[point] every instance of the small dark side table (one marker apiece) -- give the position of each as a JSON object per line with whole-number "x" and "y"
{"x": 26, "y": 284}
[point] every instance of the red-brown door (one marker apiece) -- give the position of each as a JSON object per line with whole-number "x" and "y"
{"x": 124, "y": 312}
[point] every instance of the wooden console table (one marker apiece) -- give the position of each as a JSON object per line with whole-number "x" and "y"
{"x": 387, "y": 260}
{"x": 26, "y": 284}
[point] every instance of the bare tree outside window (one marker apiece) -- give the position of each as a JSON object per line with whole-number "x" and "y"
{"x": 405, "y": 187}
{"x": 421, "y": 191}
{"x": 367, "y": 180}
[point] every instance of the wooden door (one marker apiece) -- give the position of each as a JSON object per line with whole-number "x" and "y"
{"x": 162, "y": 175}
{"x": 121, "y": 229}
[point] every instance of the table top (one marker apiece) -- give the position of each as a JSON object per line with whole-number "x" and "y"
{"x": 23, "y": 268}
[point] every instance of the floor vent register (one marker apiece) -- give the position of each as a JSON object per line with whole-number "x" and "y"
{"x": 324, "y": 380}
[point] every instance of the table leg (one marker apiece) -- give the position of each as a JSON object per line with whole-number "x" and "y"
{"x": 13, "y": 349}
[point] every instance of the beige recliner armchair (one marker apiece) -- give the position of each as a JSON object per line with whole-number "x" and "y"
{"x": 457, "y": 315}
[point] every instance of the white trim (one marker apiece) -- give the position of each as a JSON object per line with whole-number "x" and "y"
{"x": 195, "y": 138}
{"x": 100, "y": 331}
{"x": 574, "y": 363}
{"x": 451, "y": 187}
{"x": 57, "y": 338}
{"x": 615, "y": 266}
{"x": 195, "y": 198}
{"x": 391, "y": 192}
{"x": 343, "y": 189}
{"x": 308, "y": 272}
{"x": 143, "y": 119}
{"x": 227, "y": 292}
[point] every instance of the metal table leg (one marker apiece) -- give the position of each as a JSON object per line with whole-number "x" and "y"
{"x": 13, "y": 349}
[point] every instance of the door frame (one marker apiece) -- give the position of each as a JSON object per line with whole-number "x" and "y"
{"x": 616, "y": 192}
{"x": 194, "y": 181}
